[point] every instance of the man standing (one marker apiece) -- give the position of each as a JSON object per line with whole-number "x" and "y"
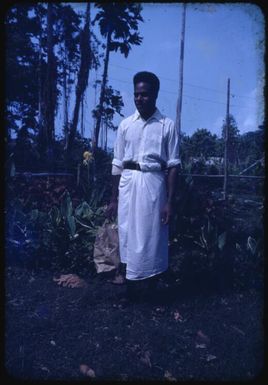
{"x": 146, "y": 145}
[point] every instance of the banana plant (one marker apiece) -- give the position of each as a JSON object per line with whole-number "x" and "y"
{"x": 67, "y": 214}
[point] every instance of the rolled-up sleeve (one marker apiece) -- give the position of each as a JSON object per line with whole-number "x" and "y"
{"x": 116, "y": 170}
{"x": 119, "y": 148}
{"x": 173, "y": 158}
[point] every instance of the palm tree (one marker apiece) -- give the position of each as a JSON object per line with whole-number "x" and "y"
{"x": 118, "y": 23}
{"x": 47, "y": 131}
{"x": 50, "y": 87}
{"x": 82, "y": 79}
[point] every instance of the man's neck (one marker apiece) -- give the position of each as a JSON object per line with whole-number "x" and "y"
{"x": 148, "y": 115}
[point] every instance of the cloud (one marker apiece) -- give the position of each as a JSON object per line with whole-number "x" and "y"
{"x": 251, "y": 113}
{"x": 249, "y": 123}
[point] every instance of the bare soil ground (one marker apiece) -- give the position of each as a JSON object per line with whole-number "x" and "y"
{"x": 191, "y": 334}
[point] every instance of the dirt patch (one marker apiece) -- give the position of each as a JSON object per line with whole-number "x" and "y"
{"x": 52, "y": 330}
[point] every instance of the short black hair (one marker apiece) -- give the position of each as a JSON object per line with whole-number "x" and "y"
{"x": 147, "y": 77}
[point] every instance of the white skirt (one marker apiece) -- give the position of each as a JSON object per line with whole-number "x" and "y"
{"x": 143, "y": 239}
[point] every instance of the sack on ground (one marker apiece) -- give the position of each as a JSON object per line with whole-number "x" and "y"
{"x": 106, "y": 248}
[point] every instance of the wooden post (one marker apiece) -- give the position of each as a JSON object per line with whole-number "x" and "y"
{"x": 226, "y": 144}
{"x": 179, "y": 102}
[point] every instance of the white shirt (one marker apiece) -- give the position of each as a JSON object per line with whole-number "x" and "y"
{"x": 149, "y": 142}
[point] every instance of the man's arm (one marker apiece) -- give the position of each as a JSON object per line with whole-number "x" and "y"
{"x": 173, "y": 164}
{"x": 167, "y": 211}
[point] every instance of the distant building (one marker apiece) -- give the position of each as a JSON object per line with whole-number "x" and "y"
{"x": 214, "y": 161}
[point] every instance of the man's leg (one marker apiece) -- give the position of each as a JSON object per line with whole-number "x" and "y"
{"x": 154, "y": 293}
{"x": 151, "y": 289}
{"x": 133, "y": 290}
{"x": 137, "y": 290}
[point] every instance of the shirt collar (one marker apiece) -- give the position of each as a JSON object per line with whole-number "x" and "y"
{"x": 156, "y": 115}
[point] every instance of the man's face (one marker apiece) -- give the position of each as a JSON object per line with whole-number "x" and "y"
{"x": 144, "y": 98}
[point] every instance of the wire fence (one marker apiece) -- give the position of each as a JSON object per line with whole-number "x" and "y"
{"x": 240, "y": 186}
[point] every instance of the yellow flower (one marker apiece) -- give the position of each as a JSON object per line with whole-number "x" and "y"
{"x": 88, "y": 155}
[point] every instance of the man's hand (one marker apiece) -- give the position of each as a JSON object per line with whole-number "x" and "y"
{"x": 166, "y": 213}
{"x": 111, "y": 211}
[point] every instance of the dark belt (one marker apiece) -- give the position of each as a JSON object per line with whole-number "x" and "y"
{"x": 132, "y": 166}
{"x": 135, "y": 166}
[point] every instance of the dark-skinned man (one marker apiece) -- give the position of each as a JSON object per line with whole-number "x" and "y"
{"x": 146, "y": 146}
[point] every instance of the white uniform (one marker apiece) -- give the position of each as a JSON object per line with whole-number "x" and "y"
{"x": 143, "y": 239}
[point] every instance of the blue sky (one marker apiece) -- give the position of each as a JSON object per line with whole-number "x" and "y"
{"x": 221, "y": 41}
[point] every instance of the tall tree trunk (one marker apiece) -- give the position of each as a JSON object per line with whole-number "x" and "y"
{"x": 50, "y": 79}
{"x": 101, "y": 135}
{"x": 47, "y": 93}
{"x": 39, "y": 87}
{"x": 82, "y": 128}
{"x": 42, "y": 96}
{"x": 65, "y": 99}
{"x": 106, "y": 135}
{"x": 82, "y": 79}
{"x": 42, "y": 132}
{"x": 102, "y": 93}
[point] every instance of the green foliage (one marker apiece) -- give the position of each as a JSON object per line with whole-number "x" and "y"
{"x": 62, "y": 238}
{"x": 94, "y": 182}
{"x": 10, "y": 168}
{"x": 203, "y": 143}
{"x": 199, "y": 226}
{"x": 203, "y": 152}
{"x": 233, "y": 139}
{"x": 249, "y": 261}
{"x": 66, "y": 207}
{"x": 251, "y": 149}
{"x": 198, "y": 150}
{"x": 26, "y": 155}
{"x": 47, "y": 224}
{"x": 113, "y": 103}
{"x": 210, "y": 242}
{"x": 233, "y": 130}
{"x": 20, "y": 68}
{"x": 55, "y": 216}
{"x": 118, "y": 23}
{"x": 27, "y": 98}
{"x": 252, "y": 245}
{"x": 217, "y": 241}
{"x": 121, "y": 20}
